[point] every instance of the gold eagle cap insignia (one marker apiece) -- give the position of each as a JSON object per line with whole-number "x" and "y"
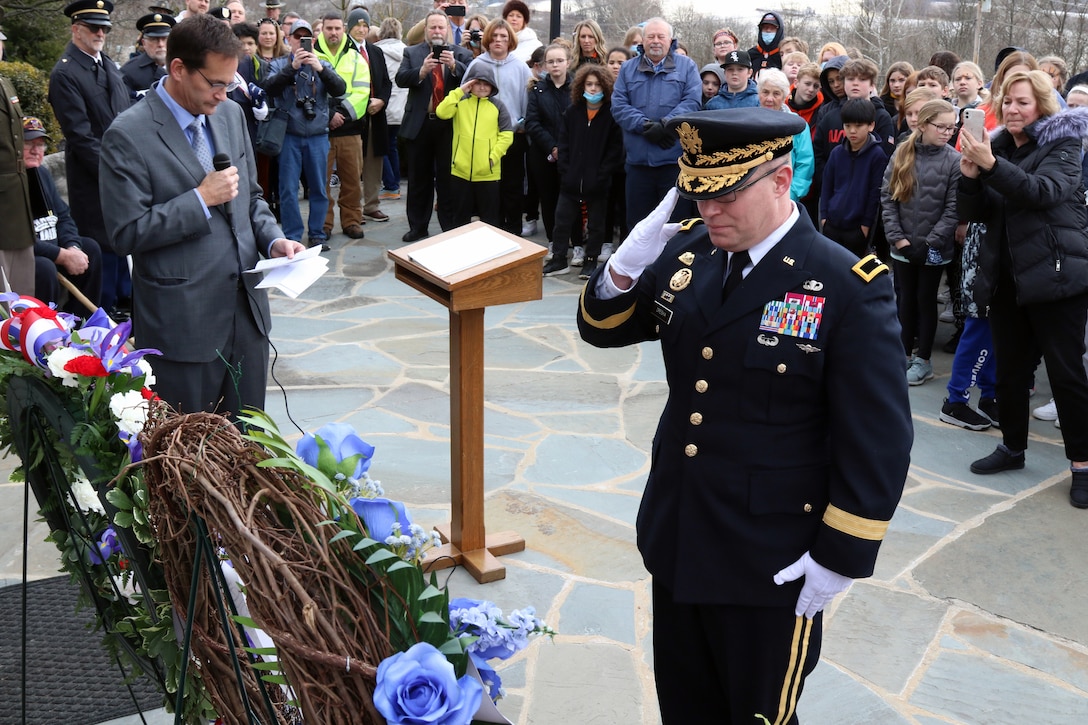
{"x": 689, "y": 138}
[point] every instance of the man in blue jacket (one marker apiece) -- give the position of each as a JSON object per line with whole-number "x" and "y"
{"x": 652, "y": 88}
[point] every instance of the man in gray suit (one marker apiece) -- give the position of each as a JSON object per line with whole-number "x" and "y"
{"x": 191, "y": 230}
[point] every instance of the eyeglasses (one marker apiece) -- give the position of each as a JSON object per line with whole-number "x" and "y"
{"x": 725, "y": 44}
{"x": 228, "y": 87}
{"x": 941, "y": 129}
{"x": 731, "y": 196}
{"x": 95, "y": 29}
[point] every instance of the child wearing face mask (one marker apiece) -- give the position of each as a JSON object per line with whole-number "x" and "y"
{"x": 590, "y": 153}
{"x": 766, "y": 54}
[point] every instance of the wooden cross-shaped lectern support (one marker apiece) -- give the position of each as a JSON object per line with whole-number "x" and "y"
{"x": 513, "y": 277}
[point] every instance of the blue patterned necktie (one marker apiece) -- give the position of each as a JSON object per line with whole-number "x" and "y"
{"x": 200, "y": 145}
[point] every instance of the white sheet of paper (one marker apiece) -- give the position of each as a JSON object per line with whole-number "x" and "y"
{"x": 293, "y": 279}
{"x": 464, "y": 251}
{"x": 265, "y": 264}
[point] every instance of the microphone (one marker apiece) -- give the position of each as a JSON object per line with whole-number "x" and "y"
{"x": 221, "y": 162}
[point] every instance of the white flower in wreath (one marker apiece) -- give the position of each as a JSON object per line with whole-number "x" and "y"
{"x": 86, "y": 497}
{"x": 130, "y": 410}
{"x": 145, "y": 368}
{"x": 58, "y": 359}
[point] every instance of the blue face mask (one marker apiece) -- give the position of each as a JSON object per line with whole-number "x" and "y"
{"x": 593, "y": 97}
{"x": 767, "y": 38}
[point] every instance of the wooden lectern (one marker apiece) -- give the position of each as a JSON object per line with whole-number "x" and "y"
{"x": 513, "y": 277}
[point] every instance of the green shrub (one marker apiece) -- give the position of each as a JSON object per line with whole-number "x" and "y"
{"x": 32, "y": 85}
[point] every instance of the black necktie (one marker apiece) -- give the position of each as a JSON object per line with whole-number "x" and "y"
{"x": 736, "y": 273}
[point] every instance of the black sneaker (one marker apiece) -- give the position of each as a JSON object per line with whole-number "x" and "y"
{"x": 1078, "y": 492}
{"x": 953, "y": 342}
{"x": 589, "y": 266}
{"x": 998, "y": 461}
{"x": 988, "y": 407}
{"x": 558, "y": 265}
{"x": 964, "y": 416}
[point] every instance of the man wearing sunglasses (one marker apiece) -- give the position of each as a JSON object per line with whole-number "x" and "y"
{"x": 192, "y": 227}
{"x": 87, "y": 92}
{"x": 787, "y": 433}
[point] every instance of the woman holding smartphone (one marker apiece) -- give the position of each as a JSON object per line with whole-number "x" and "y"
{"x": 1025, "y": 184}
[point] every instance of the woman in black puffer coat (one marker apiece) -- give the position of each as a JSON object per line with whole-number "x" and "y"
{"x": 1026, "y": 186}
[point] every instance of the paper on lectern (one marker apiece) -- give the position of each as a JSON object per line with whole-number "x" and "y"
{"x": 464, "y": 251}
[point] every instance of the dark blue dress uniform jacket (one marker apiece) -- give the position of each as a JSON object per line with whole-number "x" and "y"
{"x": 772, "y": 443}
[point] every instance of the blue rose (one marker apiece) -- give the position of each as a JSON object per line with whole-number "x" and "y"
{"x": 379, "y": 515}
{"x": 418, "y": 687}
{"x": 335, "y": 448}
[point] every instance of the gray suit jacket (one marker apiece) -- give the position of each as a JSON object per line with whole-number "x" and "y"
{"x": 186, "y": 267}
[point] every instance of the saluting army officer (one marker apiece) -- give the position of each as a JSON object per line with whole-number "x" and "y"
{"x": 147, "y": 67}
{"x": 87, "y": 92}
{"x": 783, "y": 449}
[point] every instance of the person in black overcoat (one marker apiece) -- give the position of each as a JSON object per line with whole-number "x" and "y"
{"x": 87, "y": 92}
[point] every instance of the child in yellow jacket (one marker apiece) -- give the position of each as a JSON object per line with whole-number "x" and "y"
{"x": 482, "y": 132}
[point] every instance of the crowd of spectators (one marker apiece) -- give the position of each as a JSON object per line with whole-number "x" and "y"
{"x": 484, "y": 118}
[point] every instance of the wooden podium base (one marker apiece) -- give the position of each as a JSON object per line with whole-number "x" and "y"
{"x": 482, "y": 564}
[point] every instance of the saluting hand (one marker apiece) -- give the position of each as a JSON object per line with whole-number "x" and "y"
{"x": 645, "y": 242}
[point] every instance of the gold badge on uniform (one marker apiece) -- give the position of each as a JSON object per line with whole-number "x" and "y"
{"x": 680, "y": 280}
{"x": 686, "y": 258}
{"x": 667, "y": 296}
{"x": 788, "y": 260}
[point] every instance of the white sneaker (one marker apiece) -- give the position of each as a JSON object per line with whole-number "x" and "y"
{"x": 528, "y": 229}
{"x": 606, "y": 252}
{"x": 947, "y": 315}
{"x": 1046, "y": 412}
{"x": 579, "y": 256}
{"x": 550, "y": 254}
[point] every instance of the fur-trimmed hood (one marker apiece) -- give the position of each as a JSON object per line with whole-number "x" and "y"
{"x": 1071, "y": 123}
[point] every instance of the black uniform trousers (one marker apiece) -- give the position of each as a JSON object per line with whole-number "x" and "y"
{"x": 1021, "y": 333}
{"x": 716, "y": 663}
{"x": 428, "y": 170}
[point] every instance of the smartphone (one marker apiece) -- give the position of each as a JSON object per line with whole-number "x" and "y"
{"x": 307, "y": 44}
{"x": 437, "y": 52}
{"x": 457, "y": 11}
{"x": 974, "y": 121}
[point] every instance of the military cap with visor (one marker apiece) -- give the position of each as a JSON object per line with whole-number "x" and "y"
{"x": 91, "y": 12}
{"x": 156, "y": 25}
{"x": 724, "y": 149}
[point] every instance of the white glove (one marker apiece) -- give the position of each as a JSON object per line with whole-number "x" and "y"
{"x": 645, "y": 242}
{"x": 260, "y": 112}
{"x": 821, "y": 584}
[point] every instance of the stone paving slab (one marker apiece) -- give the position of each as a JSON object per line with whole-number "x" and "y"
{"x": 974, "y": 615}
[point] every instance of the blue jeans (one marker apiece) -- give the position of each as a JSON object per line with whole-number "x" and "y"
{"x": 391, "y": 162}
{"x": 307, "y": 155}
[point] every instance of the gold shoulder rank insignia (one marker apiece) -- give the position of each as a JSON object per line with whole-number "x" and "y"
{"x": 687, "y": 224}
{"x": 686, "y": 258}
{"x": 869, "y": 268}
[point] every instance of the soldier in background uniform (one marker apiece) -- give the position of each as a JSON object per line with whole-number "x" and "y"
{"x": 87, "y": 92}
{"x": 17, "y": 241}
{"x": 147, "y": 67}
{"x": 784, "y": 445}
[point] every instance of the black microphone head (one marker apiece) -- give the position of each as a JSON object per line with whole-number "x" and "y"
{"x": 221, "y": 162}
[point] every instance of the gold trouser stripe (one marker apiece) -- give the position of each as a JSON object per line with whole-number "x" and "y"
{"x": 802, "y": 629}
{"x": 608, "y": 323}
{"x": 862, "y": 528}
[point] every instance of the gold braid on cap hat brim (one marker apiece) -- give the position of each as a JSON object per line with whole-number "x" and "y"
{"x": 704, "y": 180}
